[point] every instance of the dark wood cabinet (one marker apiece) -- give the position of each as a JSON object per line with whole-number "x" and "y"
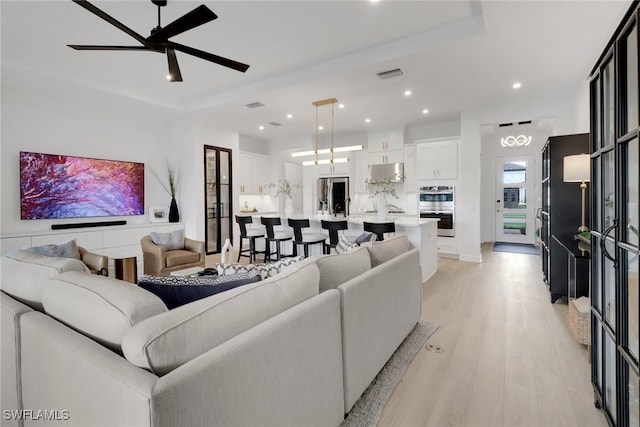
{"x": 561, "y": 213}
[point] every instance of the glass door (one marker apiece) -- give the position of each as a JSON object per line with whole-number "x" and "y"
{"x": 218, "y": 197}
{"x": 515, "y": 216}
{"x": 615, "y": 234}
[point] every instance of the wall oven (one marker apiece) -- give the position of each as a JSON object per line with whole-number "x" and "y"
{"x": 439, "y": 202}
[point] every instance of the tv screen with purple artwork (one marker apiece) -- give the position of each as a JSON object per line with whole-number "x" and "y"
{"x": 57, "y": 186}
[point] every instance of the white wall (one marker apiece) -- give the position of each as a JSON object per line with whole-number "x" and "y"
{"x": 560, "y": 104}
{"x": 42, "y": 122}
{"x": 186, "y": 151}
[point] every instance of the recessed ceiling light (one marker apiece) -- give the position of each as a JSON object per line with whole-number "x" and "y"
{"x": 340, "y": 105}
{"x": 168, "y": 76}
{"x": 367, "y": 120}
{"x": 289, "y": 116}
{"x": 517, "y": 85}
{"x": 320, "y": 127}
{"x": 261, "y": 127}
{"x": 407, "y": 92}
{"x": 425, "y": 111}
{"x": 374, "y": 1}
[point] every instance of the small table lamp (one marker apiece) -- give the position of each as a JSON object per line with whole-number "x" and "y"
{"x": 577, "y": 169}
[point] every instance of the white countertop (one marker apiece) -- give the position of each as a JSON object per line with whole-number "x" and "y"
{"x": 400, "y": 220}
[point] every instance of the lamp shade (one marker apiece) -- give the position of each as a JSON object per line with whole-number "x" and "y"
{"x": 576, "y": 168}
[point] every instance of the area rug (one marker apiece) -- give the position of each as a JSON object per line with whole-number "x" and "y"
{"x": 367, "y": 410}
{"x": 516, "y": 248}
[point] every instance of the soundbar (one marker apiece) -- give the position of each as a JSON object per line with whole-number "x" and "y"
{"x": 87, "y": 224}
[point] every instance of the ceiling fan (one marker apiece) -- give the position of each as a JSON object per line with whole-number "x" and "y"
{"x": 159, "y": 42}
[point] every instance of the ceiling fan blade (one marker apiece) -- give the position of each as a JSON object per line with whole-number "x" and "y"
{"x": 93, "y": 9}
{"x": 174, "y": 69}
{"x": 198, "y": 16}
{"x": 96, "y": 47}
{"x": 238, "y": 66}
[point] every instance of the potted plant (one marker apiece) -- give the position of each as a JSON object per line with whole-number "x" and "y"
{"x": 174, "y": 214}
{"x": 286, "y": 188}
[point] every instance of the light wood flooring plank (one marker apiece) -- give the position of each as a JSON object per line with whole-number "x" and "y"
{"x": 509, "y": 357}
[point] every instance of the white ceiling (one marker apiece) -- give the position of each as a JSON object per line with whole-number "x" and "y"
{"x": 457, "y": 56}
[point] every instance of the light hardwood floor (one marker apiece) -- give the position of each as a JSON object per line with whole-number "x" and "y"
{"x": 509, "y": 357}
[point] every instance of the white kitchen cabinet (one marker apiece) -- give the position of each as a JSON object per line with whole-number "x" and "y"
{"x": 410, "y": 177}
{"x": 361, "y": 171}
{"x": 328, "y": 169}
{"x": 386, "y": 147}
{"x": 382, "y": 157}
{"x": 254, "y": 173}
{"x": 437, "y": 160}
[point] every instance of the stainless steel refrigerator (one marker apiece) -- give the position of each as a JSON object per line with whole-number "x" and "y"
{"x": 333, "y": 195}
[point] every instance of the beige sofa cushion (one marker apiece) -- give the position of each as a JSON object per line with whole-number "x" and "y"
{"x": 101, "y": 308}
{"x": 383, "y": 251}
{"x": 163, "y": 343}
{"x": 337, "y": 269}
{"x": 25, "y": 274}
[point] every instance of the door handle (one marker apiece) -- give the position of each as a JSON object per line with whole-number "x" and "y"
{"x": 603, "y": 242}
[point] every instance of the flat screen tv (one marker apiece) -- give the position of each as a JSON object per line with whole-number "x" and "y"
{"x": 58, "y": 186}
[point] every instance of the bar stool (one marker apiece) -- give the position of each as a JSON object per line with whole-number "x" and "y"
{"x": 276, "y": 237}
{"x": 333, "y": 227}
{"x": 251, "y": 235}
{"x": 379, "y": 228}
{"x": 305, "y": 239}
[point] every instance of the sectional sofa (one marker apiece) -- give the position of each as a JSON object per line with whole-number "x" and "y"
{"x": 296, "y": 349}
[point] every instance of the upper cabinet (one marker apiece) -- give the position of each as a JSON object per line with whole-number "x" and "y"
{"x": 360, "y": 171}
{"x": 410, "y": 177}
{"x": 254, "y": 173}
{"x": 437, "y": 160}
{"x": 386, "y": 147}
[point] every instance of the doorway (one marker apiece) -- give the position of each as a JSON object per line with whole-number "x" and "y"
{"x": 514, "y": 209}
{"x": 217, "y": 197}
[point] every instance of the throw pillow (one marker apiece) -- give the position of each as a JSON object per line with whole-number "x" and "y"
{"x": 174, "y": 295}
{"x": 345, "y": 245}
{"x": 265, "y": 270}
{"x": 170, "y": 241}
{"x": 63, "y": 250}
{"x": 365, "y": 237}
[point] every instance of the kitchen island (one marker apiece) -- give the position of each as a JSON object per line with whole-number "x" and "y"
{"x": 422, "y": 233}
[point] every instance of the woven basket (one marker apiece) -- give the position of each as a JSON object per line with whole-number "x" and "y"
{"x": 580, "y": 319}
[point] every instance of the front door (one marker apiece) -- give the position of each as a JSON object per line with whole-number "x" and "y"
{"x": 515, "y": 199}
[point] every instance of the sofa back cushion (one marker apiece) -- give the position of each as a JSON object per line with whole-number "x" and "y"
{"x": 99, "y": 307}
{"x": 163, "y": 343}
{"x": 339, "y": 268}
{"x": 25, "y": 274}
{"x": 387, "y": 249}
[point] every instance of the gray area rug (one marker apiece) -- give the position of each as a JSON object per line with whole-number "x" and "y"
{"x": 367, "y": 410}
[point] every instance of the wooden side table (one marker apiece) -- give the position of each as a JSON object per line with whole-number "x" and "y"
{"x": 126, "y": 269}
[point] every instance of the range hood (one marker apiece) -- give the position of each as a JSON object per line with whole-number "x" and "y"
{"x": 388, "y": 172}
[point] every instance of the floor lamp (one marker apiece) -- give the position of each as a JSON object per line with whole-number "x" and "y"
{"x": 577, "y": 169}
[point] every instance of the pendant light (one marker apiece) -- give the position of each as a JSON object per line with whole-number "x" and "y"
{"x": 332, "y": 150}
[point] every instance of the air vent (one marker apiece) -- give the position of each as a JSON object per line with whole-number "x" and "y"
{"x": 255, "y": 105}
{"x": 502, "y": 125}
{"x": 396, "y": 72}
{"x": 528, "y": 122}
{"x": 275, "y": 124}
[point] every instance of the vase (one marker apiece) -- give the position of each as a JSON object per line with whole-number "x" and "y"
{"x": 226, "y": 254}
{"x": 288, "y": 207}
{"x": 381, "y": 205}
{"x": 174, "y": 215}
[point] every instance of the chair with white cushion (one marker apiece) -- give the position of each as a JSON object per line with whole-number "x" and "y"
{"x": 305, "y": 239}
{"x": 274, "y": 236}
{"x": 250, "y": 234}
